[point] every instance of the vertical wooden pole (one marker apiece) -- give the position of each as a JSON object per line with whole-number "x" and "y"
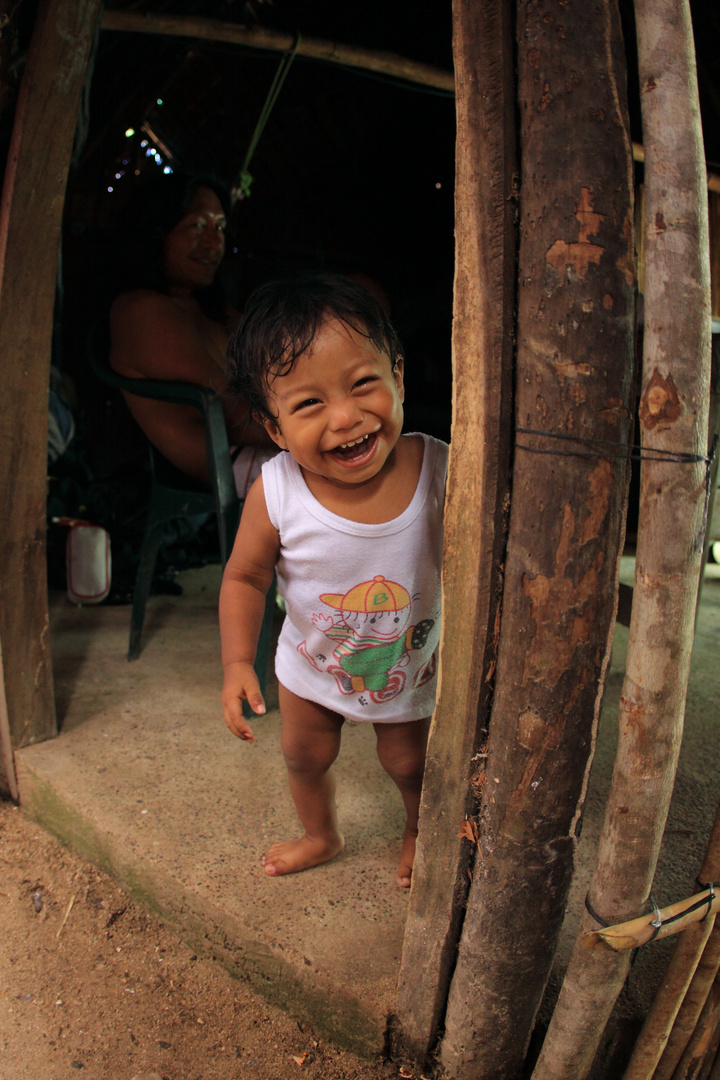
{"x": 673, "y": 429}
{"x": 685, "y": 986}
{"x": 701, "y": 1051}
{"x": 686, "y": 1033}
{"x": 474, "y": 516}
{"x": 713, "y": 433}
{"x": 574, "y": 371}
{"x": 714, "y": 1072}
{"x": 30, "y": 223}
{"x": 8, "y": 775}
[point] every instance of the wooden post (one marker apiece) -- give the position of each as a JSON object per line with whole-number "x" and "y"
{"x": 8, "y": 776}
{"x": 30, "y": 223}
{"x": 714, "y": 1071}
{"x": 474, "y": 515}
{"x": 673, "y": 421}
{"x": 683, "y": 1038}
{"x": 702, "y": 1048}
{"x": 574, "y": 370}
{"x": 685, "y": 986}
{"x": 713, "y": 433}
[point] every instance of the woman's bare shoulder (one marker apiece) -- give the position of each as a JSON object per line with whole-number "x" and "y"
{"x": 142, "y": 305}
{"x": 154, "y": 337}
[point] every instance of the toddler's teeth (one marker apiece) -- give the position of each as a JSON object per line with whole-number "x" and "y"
{"x": 345, "y": 445}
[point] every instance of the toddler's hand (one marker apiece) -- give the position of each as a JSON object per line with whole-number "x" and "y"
{"x": 240, "y": 684}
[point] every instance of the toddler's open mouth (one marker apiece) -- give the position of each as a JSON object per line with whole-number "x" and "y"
{"x": 356, "y": 450}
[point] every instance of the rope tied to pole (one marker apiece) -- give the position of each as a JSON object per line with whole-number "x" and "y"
{"x": 659, "y": 924}
{"x": 241, "y": 190}
{"x": 607, "y": 449}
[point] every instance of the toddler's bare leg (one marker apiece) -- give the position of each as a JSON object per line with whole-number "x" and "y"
{"x": 401, "y": 750}
{"x": 310, "y": 739}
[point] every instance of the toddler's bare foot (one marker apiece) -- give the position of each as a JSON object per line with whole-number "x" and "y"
{"x": 407, "y": 858}
{"x": 290, "y": 856}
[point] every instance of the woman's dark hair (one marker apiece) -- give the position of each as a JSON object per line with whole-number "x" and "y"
{"x": 151, "y": 212}
{"x": 281, "y": 321}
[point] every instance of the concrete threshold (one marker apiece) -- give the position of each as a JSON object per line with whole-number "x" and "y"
{"x": 147, "y": 783}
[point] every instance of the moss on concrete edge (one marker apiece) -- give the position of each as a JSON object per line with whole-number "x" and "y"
{"x": 312, "y": 998}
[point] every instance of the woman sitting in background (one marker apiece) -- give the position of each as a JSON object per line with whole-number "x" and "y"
{"x": 171, "y": 320}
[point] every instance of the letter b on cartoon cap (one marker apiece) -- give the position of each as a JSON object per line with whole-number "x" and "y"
{"x": 376, "y": 595}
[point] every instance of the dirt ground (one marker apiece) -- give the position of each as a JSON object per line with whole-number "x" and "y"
{"x": 101, "y": 989}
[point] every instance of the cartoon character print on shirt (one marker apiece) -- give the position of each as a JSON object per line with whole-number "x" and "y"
{"x": 371, "y": 626}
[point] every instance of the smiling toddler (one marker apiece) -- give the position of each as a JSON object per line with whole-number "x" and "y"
{"x": 350, "y": 518}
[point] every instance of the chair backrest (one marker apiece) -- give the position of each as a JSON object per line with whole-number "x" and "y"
{"x": 203, "y": 398}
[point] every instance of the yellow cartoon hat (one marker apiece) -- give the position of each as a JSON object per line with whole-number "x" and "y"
{"x": 376, "y": 595}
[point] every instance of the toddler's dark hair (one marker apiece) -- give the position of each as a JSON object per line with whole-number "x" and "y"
{"x": 281, "y": 321}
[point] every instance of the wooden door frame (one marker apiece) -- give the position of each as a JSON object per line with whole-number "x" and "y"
{"x": 30, "y": 227}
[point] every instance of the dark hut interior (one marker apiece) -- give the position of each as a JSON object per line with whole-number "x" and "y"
{"x": 353, "y": 172}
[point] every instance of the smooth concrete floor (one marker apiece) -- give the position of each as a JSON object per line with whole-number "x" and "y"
{"x": 146, "y": 781}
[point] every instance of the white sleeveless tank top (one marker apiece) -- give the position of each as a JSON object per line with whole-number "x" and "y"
{"x": 362, "y": 627}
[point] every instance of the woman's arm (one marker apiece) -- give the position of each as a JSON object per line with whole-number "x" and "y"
{"x": 247, "y": 578}
{"x": 153, "y": 337}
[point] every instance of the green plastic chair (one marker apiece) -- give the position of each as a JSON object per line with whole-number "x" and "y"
{"x": 174, "y": 495}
